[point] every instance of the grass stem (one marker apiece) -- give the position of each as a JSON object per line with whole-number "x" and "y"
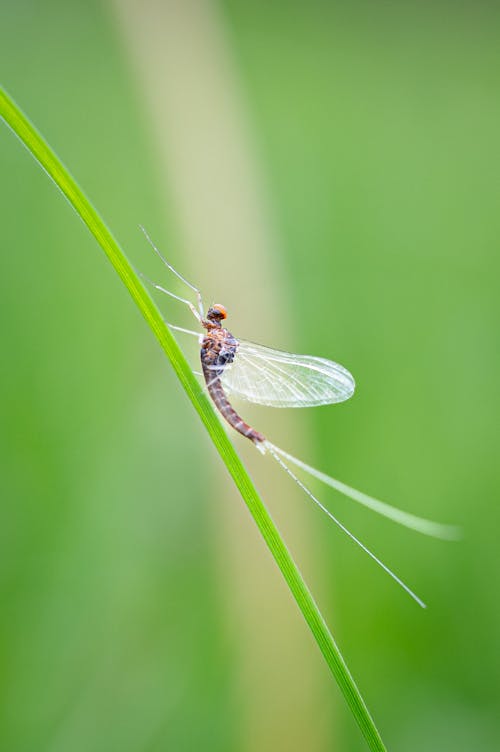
{"x": 47, "y": 159}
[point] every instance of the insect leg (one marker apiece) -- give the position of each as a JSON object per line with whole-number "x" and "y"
{"x": 198, "y": 316}
{"x": 174, "y": 271}
{"x": 184, "y": 331}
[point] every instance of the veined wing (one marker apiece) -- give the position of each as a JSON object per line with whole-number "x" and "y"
{"x": 280, "y": 379}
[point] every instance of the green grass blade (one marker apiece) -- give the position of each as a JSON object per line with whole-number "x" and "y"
{"x": 44, "y": 155}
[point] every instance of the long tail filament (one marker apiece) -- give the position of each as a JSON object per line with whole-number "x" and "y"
{"x": 275, "y": 453}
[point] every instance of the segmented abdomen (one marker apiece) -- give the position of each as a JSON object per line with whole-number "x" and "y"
{"x": 227, "y": 411}
{"x": 218, "y": 350}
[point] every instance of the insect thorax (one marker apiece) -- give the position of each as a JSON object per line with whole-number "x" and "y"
{"x": 218, "y": 349}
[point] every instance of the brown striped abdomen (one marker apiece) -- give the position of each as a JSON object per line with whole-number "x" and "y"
{"x": 217, "y": 393}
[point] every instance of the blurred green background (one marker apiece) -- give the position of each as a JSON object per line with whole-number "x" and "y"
{"x": 330, "y": 172}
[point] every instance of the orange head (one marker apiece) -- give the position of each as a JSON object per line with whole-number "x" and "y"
{"x": 216, "y": 313}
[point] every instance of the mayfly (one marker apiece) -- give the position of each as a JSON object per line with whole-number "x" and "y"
{"x": 235, "y": 367}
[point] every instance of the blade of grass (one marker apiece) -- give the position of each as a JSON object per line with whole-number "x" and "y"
{"x": 47, "y": 159}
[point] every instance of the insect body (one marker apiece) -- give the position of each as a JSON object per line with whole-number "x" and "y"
{"x": 218, "y": 350}
{"x": 279, "y": 379}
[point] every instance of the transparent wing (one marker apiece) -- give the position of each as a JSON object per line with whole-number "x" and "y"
{"x": 280, "y": 379}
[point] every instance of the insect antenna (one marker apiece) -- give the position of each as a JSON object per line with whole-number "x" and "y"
{"x": 274, "y": 453}
{"x": 177, "y": 274}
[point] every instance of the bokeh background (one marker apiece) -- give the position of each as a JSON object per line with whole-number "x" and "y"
{"x": 328, "y": 171}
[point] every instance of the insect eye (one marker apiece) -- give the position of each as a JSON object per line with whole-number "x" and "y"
{"x": 220, "y": 310}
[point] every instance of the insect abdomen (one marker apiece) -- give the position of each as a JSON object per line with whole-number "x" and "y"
{"x": 227, "y": 411}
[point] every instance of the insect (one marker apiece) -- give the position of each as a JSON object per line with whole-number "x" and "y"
{"x": 235, "y": 367}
